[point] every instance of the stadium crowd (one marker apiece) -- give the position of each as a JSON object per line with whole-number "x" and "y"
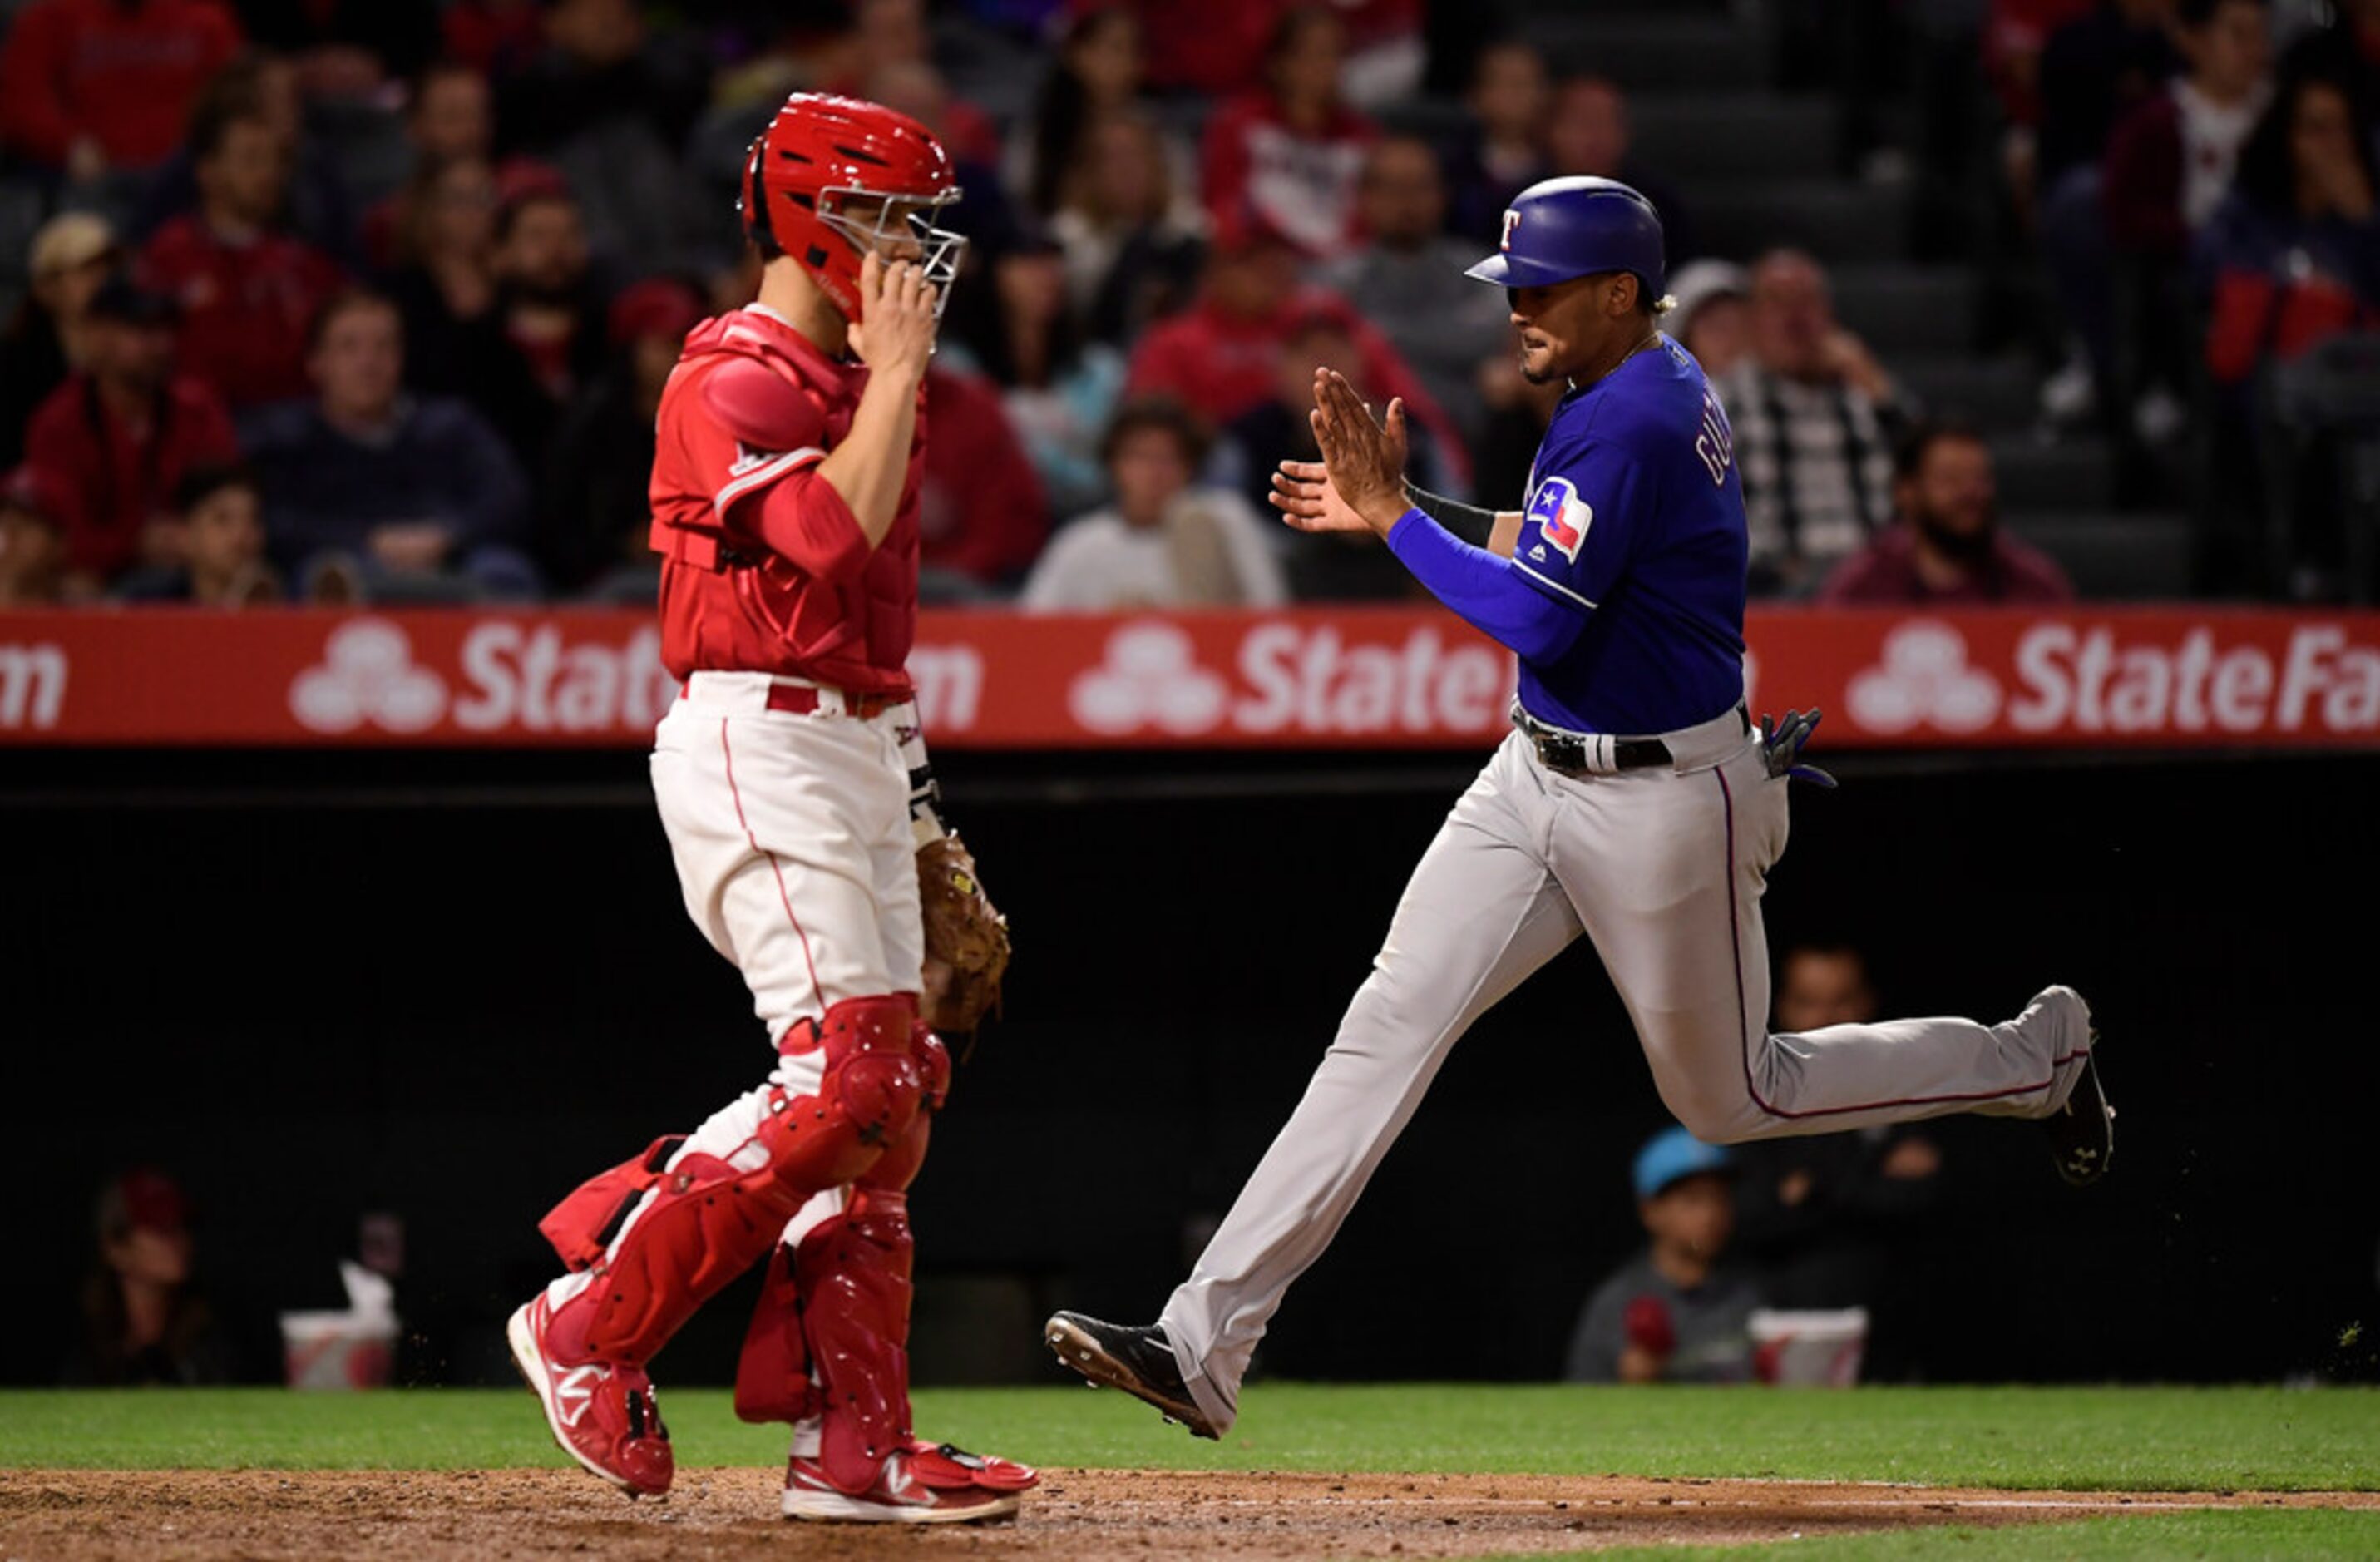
{"x": 342, "y": 300}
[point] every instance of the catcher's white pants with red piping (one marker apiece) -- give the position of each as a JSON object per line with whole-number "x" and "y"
{"x": 1663, "y": 868}
{"x": 797, "y": 860}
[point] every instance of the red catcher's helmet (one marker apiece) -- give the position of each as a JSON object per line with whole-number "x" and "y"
{"x": 832, "y": 178}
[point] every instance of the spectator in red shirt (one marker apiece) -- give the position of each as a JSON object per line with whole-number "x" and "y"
{"x": 1947, "y": 545}
{"x": 32, "y": 539}
{"x": 1290, "y": 152}
{"x": 494, "y": 36}
{"x": 247, "y": 291}
{"x": 982, "y": 515}
{"x": 88, "y": 87}
{"x": 450, "y": 118}
{"x": 1221, "y": 356}
{"x": 1210, "y": 50}
{"x": 118, "y": 436}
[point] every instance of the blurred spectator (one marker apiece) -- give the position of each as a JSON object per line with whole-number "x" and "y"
{"x": 1713, "y": 314}
{"x": 450, "y": 119}
{"x": 548, "y": 316}
{"x": 49, "y": 339}
{"x": 981, "y": 514}
{"x": 1821, "y": 1216}
{"x": 1221, "y": 357}
{"x": 2293, "y": 255}
{"x": 120, "y": 432}
{"x": 607, "y": 100}
{"x": 1946, "y": 544}
{"x": 1280, "y": 429}
{"x": 32, "y": 539}
{"x": 365, "y": 487}
{"x": 1386, "y": 53}
{"x": 2094, "y": 70}
{"x": 1409, "y": 280}
{"x": 2289, "y": 260}
{"x": 495, "y": 37}
{"x": 2015, "y": 33}
{"x": 1097, "y": 74}
{"x": 314, "y": 201}
{"x": 247, "y": 291}
{"x": 1674, "y": 1314}
{"x": 1588, "y": 132}
{"x": 887, "y": 36}
{"x": 1321, "y": 565}
{"x": 1504, "y": 152}
{"x": 90, "y": 87}
{"x": 594, "y": 518}
{"x": 345, "y": 49}
{"x": 1134, "y": 248}
{"x": 1059, "y": 389}
{"x": 983, "y": 211}
{"x": 2346, "y": 52}
{"x": 1814, "y": 417}
{"x": 2169, "y": 163}
{"x": 1289, "y": 153}
{"x": 1206, "y": 49}
{"x": 1164, "y": 542}
{"x": 143, "y": 1320}
{"x": 222, "y": 517}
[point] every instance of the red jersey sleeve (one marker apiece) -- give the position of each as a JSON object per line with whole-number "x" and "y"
{"x": 757, "y": 442}
{"x": 33, "y": 114}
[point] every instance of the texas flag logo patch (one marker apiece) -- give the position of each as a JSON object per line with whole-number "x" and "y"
{"x": 1562, "y": 516}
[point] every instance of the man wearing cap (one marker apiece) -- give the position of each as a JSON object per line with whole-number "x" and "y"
{"x": 71, "y": 256}
{"x": 121, "y": 432}
{"x": 1634, "y": 803}
{"x": 32, "y": 539}
{"x": 142, "y": 1322}
{"x": 1673, "y": 1314}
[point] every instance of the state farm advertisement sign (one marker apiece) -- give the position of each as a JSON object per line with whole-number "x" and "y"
{"x": 1373, "y": 678}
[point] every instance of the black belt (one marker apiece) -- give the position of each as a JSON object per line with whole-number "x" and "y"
{"x": 1565, "y": 752}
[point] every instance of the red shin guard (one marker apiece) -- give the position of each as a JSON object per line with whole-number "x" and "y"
{"x": 708, "y": 1218}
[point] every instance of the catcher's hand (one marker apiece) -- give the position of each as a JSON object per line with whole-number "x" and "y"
{"x": 967, "y": 940}
{"x": 1780, "y": 745}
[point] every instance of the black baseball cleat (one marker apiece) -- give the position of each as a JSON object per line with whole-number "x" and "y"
{"x": 2083, "y": 1134}
{"x": 1138, "y": 1361}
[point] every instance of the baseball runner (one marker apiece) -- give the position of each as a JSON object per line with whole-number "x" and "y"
{"x": 793, "y": 785}
{"x": 1634, "y": 801}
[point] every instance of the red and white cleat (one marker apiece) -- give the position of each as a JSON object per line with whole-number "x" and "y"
{"x": 604, "y": 1417}
{"x": 926, "y": 1483}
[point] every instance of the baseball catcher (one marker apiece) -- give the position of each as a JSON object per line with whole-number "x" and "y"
{"x": 793, "y": 783}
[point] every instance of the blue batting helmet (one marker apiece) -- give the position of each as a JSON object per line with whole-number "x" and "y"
{"x": 1557, "y": 229}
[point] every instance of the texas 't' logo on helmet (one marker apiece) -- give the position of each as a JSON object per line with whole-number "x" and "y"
{"x": 1511, "y": 222}
{"x": 1562, "y": 516}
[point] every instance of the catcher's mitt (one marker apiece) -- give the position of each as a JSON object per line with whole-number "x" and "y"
{"x": 967, "y": 940}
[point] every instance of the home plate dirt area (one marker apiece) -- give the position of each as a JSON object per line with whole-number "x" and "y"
{"x": 1076, "y": 1514}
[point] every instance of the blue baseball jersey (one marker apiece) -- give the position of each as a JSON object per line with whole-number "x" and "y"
{"x": 1634, "y": 518}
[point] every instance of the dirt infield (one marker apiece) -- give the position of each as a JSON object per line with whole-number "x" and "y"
{"x": 1078, "y": 1515}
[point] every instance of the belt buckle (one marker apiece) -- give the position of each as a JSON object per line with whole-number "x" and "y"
{"x": 1566, "y": 755}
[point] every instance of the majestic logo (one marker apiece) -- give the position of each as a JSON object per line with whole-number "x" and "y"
{"x": 368, "y": 677}
{"x": 1562, "y": 516}
{"x": 1151, "y": 676}
{"x": 1925, "y": 680}
{"x": 1512, "y": 224}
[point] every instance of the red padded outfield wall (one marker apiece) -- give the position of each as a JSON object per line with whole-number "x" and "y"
{"x": 1374, "y": 678}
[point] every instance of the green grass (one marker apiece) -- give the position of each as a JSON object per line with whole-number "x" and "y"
{"x": 2145, "y": 1439}
{"x": 2304, "y": 1535}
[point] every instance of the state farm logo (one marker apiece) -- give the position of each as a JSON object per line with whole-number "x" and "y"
{"x": 368, "y": 676}
{"x": 1293, "y": 679}
{"x": 1925, "y": 680}
{"x": 1151, "y": 676}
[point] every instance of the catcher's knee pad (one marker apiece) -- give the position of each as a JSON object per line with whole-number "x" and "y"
{"x": 853, "y": 1273}
{"x": 706, "y": 1217}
